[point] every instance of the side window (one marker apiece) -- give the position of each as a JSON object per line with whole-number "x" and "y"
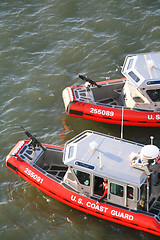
{"x": 154, "y": 94}
{"x": 130, "y": 192}
{"x": 134, "y": 76}
{"x": 83, "y": 178}
{"x": 116, "y": 189}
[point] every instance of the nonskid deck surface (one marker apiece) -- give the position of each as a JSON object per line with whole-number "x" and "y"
{"x": 107, "y": 94}
{"x": 49, "y": 160}
{"x": 52, "y": 163}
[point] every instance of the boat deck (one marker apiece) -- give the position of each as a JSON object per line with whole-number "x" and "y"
{"x": 51, "y": 162}
{"x": 109, "y": 93}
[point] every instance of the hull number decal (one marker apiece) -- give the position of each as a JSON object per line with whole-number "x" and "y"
{"x": 33, "y": 175}
{"x": 102, "y": 112}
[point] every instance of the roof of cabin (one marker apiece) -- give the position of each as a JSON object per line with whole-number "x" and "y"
{"x": 105, "y": 156}
{"x": 142, "y": 69}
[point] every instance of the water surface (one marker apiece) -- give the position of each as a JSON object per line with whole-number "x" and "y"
{"x": 41, "y": 44}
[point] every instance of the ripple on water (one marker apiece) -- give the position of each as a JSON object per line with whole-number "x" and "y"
{"x": 42, "y": 43}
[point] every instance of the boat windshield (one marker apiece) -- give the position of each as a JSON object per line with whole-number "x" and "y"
{"x": 154, "y": 95}
{"x": 83, "y": 178}
{"x": 134, "y": 76}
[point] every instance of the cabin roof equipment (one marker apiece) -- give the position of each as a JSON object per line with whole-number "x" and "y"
{"x": 105, "y": 156}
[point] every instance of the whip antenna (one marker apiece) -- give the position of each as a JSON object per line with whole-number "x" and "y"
{"x": 122, "y": 124}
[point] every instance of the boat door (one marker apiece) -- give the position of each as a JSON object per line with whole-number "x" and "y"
{"x": 131, "y": 201}
{"x": 84, "y": 181}
{"x": 81, "y": 181}
{"x": 116, "y": 193}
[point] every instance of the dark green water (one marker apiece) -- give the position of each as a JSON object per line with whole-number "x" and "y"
{"x": 41, "y": 44}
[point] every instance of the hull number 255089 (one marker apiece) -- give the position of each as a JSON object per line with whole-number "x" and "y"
{"x": 102, "y": 112}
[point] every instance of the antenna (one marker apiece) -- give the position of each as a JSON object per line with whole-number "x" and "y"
{"x": 122, "y": 124}
{"x": 100, "y": 161}
{"x": 151, "y": 137}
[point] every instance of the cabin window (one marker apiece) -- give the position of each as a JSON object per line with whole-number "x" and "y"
{"x": 83, "y": 178}
{"x": 116, "y": 189}
{"x": 153, "y": 82}
{"x": 130, "y": 63}
{"x": 79, "y": 139}
{"x": 70, "y": 154}
{"x": 154, "y": 95}
{"x": 130, "y": 192}
{"x": 138, "y": 193}
{"x": 98, "y": 182}
{"x": 134, "y": 76}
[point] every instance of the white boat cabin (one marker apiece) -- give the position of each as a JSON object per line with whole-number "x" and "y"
{"x": 92, "y": 157}
{"x": 142, "y": 88}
